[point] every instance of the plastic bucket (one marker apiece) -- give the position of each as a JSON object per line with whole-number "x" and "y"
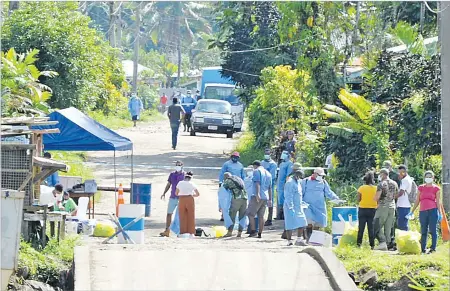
{"x": 142, "y": 194}
{"x": 341, "y": 215}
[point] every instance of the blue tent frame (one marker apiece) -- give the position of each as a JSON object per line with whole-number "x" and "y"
{"x": 79, "y": 132}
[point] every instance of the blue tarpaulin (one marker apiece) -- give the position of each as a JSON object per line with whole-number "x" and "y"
{"x": 79, "y": 132}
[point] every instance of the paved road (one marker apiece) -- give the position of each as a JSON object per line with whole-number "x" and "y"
{"x": 188, "y": 264}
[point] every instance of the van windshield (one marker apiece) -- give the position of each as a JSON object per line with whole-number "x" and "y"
{"x": 222, "y": 93}
{"x": 214, "y": 107}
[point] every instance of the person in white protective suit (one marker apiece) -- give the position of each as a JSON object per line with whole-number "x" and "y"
{"x": 294, "y": 217}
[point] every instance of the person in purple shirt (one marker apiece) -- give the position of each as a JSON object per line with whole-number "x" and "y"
{"x": 173, "y": 180}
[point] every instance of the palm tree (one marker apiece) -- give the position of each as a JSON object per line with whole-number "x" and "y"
{"x": 363, "y": 117}
{"x": 21, "y": 89}
{"x": 173, "y": 22}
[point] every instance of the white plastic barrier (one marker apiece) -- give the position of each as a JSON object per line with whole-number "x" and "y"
{"x": 11, "y": 219}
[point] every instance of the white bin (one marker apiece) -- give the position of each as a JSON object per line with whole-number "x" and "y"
{"x": 11, "y": 217}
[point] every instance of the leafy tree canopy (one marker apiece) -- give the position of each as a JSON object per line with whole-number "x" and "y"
{"x": 89, "y": 72}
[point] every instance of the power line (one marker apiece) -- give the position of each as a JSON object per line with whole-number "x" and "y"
{"x": 248, "y": 74}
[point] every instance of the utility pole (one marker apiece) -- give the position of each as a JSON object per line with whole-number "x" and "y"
{"x": 422, "y": 16}
{"x": 119, "y": 27}
{"x": 445, "y": 104}
{"x": 136, "y": 47}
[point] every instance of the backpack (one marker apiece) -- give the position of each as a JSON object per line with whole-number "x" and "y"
{"x": 413, "y": 195}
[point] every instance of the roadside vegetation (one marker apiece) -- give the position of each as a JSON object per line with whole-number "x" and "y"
{"x": 46, "y": 265}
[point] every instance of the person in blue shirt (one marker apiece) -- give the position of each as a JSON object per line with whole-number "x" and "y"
{"x": 315, "y": 190}
{"x": 135, "y": 107}
{"x": 53, "y": 179}
{"x": 294, "y": 217}
{"x": 262, "y": 195}
{"x": 270, "y": 166}
{"x": 285, "y": 169}
{"x": 197, "y": 95}
{"x": 188, "y": 103}
{"x": 234, "y": 167}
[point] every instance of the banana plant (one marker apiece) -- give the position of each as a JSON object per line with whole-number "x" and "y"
{"x": 21, "y": 90}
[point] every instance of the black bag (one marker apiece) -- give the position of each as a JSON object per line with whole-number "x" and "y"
{"x": 199, "y": 232}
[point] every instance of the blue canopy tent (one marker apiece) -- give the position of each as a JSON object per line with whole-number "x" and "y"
{"x": 79, "y": 132}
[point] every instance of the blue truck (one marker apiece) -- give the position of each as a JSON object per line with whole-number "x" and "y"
{"x": 214, "y": 86}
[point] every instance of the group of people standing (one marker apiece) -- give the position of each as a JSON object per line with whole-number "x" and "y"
{"x": 391, "y": 203}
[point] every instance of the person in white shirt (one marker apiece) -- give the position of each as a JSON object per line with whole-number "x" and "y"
{"x": 186, "y": 191}
{"x": 403, "y": 204}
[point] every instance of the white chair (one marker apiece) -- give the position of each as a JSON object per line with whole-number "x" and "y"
{"x": 83, "y": 203}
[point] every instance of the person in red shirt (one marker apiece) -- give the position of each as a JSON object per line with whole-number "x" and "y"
{"x": 163, "y": 102}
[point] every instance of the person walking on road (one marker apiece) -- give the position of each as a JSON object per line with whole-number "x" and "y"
{"x": 315, "y": 190}
{"x": 262, "y": 192}
{"x": 236, "y": 186}
{"x": 270, "y": 166}
{"x": 175, "y": 114}
{"x": 135, "y": 107}
{"x": 163, "y": 102}
{"x": 367, "y": 208}
{"x": 174, "y": 178}
{"x": 186, "y": 191}
{"x": 387, "y": 189}
{"x": 294, "y": 217}
{"x": 234, "y": 167}
{"x": 285, "y": 170}
{"x": 188, "y": 103}
{"x": 429, "y": 216}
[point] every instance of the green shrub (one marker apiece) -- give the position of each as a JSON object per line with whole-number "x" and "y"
{"x": 46, "y": 265}
{"x": 247, "y": 149}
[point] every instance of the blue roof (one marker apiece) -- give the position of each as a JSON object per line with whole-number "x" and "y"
{"x": 79, "y": 132}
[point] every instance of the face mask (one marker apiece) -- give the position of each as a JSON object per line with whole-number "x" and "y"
{"x": 267, "y": 157}
{"x": 319, "y": 178}
{"x": 234, "y": 159}
{"x": 178, "y": 168}
{"x": 379, "y": 179}
{"x": 284, "y": 157}
{"x": 428, "y": 180}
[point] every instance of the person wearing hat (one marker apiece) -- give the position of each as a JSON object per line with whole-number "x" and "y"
{"x": 315, "y": 190}
{"x": 294, "y": 217}
{"x": 236, "y": 186}
{"x": 234, "y": 167}
{"x": 283, "y": 173}
{"x": 262, "y": 195}
{"x": 296, "y": 167}
{"x": 396, "y": 178}
{"x": 197, "y": 95}
{"x": 188, "y": 103}
{"x": 384, "y": 218}
{"x": 270, "y": 166}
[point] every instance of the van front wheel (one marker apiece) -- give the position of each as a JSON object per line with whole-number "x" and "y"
{"x": 229, "y": 134}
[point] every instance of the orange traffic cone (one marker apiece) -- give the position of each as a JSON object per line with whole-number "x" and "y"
{"x": 444, "y": 226}
{"x": 120, "y": 199}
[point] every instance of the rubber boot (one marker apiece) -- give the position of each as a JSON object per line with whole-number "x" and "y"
{"x": 309, "y": 231}
{"x": 283, "y": 236}
{"x": 269, "y": 218}
{"x": 229, "y": 233}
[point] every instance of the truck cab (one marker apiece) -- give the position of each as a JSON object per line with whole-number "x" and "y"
{"x": 216, "y": 87}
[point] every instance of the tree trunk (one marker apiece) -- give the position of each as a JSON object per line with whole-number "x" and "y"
{"x": 355, "y": 31}
{"x": 119, "y": 27}
{"x": 178, "y": 50}
{"x": 422, "y": 16}
{"x": 13, "y": 5}
{"x": 112, "y": 24}
{"x": 445, "y": 109}
{"x": 136, "y": 47}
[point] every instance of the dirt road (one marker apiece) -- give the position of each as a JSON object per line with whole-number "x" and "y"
{"x": 152, "y": 152}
